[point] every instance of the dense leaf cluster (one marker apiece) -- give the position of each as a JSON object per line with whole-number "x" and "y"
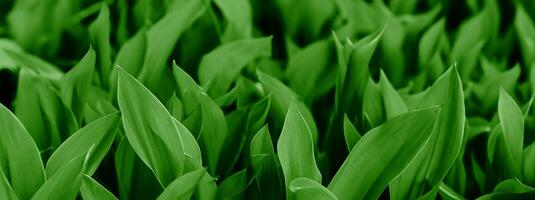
{"x": 258, "y": 99}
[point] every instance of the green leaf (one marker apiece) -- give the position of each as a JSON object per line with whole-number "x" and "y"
{"x": 512, "y": 186}
{"x": 184, "y": 81}
{"x": 99, "y": 34}
{"x": 307, "y": 189}
{"x": 487, "y": 90}
{"x": 134, "y": 178}
{"x": 266, "y": 166}
{"x": 353, "y": 72}
{"x": 38, "y": 25}
{"x": 443, "y": 148}
{"x": 429, "y": 45}
{"x": 351, "y": 135}
{"x": 175, "y": 107}
{"x": 234, "y": 186}
{"x": 398, "y": 142}
{"x": 295, "y": 148}
{"x": 206, "y": 188}
{"x": 131, "y": 55}
{"x": 309, "y": 72}
{"x": 66, "y": 183}
{"x": 239, "y": 18}
{"x": 183, "y": 186}
{"x": 92, "y": 190}
{"x": 394, "y": 104}
{"x": 97, "y": 135}
{"x": 447, "y": 193}
{"x": 150, "y": 129}
{"x": 205, "y": 119}
{"x": 529, "y": 165}
{"x": 362, "y": 17}
{"x": 6, "y": 192}
{"x": 191, "y": 148}
{"x": 281, "y": 98}
{"x": 525, "y": 29}
{"x": 161, "y": 40}
{"x": 220, "y": 67}
{"x": 60, "y": 121}
{"x": 510, "y": 189}
{"x": 76, "y": 83}
{"x": 28, "y": 110}
{"x": 472, "y": 35}
{"x": 373, "y": 106}
{"x": 20, "y": 159}
{"x": 33, "y": 63}
{"x": 233, "y": 147}
{"x": 512, "y": 123}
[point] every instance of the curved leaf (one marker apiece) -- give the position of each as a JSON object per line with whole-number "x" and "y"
{"x": 19, "y": 157}
{"x": 266, "y": 166}
{"x": 191, "y": 148}
{"x": 295, "y": 148}
{"x": 394, "y": 104}
{"x": 382, "y": 154}
{"x": 443, "y": 148}
{"x": 528, "y": 168}
{"x": 525, "y": 29}
{"x": 97, "y": 135}
{"x": 281, "y": 98}
{"x": 66, "y": 183}
{"x": 76, "y": 83}
{"x": 220, "y": 67}
{"x": 234, "y": 186}
{"x": 307, "y": 189}
{"x": 183, "y": 186}
{"x": 162, "y": 38}
{"x": 207, "y": 123}
{"x": 6, "y": 192}
{"x": 99, "y": 34}
{"x": 512, "y": 123}
{"x": 309, "y": 71}
{"x": 150, "y": 129}
{"x": 351, "y": 135}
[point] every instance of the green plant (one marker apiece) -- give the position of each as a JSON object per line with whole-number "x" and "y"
{"x": 255, "y": 99}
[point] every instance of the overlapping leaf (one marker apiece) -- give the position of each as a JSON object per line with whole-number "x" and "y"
{"x": 295, "y": 148}
{"x": 150, "y": 129}
{"x": 20, "y": 157}
{"x": 382, "y": 154}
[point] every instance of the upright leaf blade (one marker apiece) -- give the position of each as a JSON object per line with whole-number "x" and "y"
{"x": 296, "y": 149}
{"x": 150, "y": 129}
{"x": 512, "y": 124}
{"x": 442, "y": 150}
{"x": 351, "y": 135}
{"x": 20, "y": 158}
{"x": 77, "y": 81}
{"x": 382, "y": 154}
{"x": 99, "y": 33}
{"x": 162, "y": 37}
{"x": 266, "y": 166}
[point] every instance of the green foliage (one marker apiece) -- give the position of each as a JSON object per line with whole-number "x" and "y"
{"x": 255, "y": 99}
